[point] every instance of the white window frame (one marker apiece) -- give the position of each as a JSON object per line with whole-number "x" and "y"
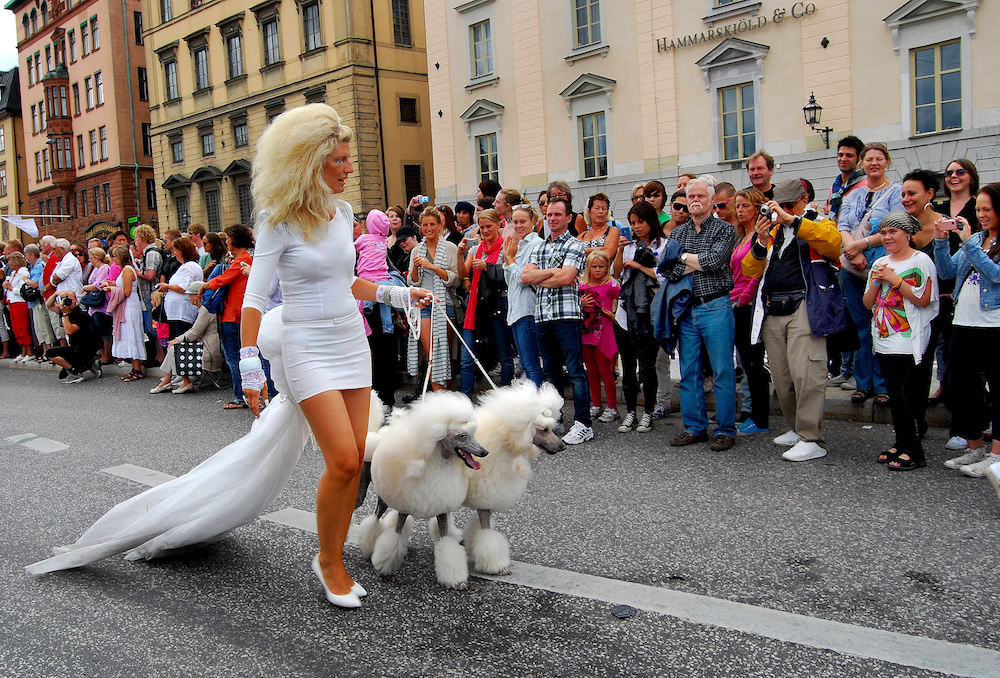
{"x": 474, "y": 13}
{"x": 739, "y": 113}
{"x": 484, "y": 117}
{"x": 580, "y": 145}
{"x": 601, "y": 47}
{"x": 172, "y": 87}
{"x": 734, "y": 62}
{"x": 714, "y": 12}
{"x": 912, "y": 28}
{"x": 589, "y": 94}
{"x": 99, "y": 87}
{"x": 315, "y": 22}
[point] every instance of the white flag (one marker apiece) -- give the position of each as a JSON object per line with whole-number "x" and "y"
{"x": 26, "y": 224}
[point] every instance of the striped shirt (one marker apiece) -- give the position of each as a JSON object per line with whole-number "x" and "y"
{"x": 559, "y": 303}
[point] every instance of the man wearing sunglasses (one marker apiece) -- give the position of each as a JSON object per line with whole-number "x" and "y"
{"x": 678, "y": 211}
{"x": 851, "y": 176}
{"x": 724, "y": 204}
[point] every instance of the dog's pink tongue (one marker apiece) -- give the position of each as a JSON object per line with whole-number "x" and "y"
{"x": 472, "y": 461}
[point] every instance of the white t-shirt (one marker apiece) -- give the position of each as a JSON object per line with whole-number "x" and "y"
{"x": 900, "y": 327}
{"x": 968, "y": 312}
{"x": 176, "y": 304}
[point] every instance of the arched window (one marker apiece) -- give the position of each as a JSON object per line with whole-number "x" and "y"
{"x": 34, "y": 22}
{"x": 27, "y": 26}
{"x": 45, "y": 14}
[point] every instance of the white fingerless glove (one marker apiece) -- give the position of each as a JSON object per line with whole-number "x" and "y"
{"x": 251, "y": 369}
{"x": 393, "y": 295}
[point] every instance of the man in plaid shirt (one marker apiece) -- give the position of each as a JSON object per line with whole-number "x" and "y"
{"x": 707, "y": 243}
{"x": 553, "y": 270}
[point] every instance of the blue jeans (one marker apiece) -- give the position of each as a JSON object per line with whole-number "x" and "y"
{"x": 713, "y": 324}
{"x": 561, "y": 342}
{"x": 505, "y": 352}
{"x": 526, "y": 341}
{"x": 867, "y": 370}
{"x": 229, "y": 337}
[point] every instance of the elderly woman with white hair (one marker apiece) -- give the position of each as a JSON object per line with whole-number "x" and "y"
{"x": 205, "y": 329}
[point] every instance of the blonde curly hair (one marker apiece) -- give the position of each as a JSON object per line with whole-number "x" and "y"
{"x": 288, "y": 167}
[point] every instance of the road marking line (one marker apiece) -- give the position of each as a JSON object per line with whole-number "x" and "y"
{"x": 19, "y": 438}
{"x": 788, "y": 627}
{"x": 44, "y": 445}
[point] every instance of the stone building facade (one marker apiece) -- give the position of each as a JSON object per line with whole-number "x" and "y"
{"x": 221, "y": 71}
{"x": 607, "y": 95}
{"x": 84, "y": 115}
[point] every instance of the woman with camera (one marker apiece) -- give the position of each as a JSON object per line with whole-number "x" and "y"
{"x": 902, "y": 294}
{"x": 976, "y": 271}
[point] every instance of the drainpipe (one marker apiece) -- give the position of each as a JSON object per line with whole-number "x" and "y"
{"x": 131, "y": 113}
{"x": 378, "y": 103}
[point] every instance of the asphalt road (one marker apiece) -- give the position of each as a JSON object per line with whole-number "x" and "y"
{"x": 737, "y": 563}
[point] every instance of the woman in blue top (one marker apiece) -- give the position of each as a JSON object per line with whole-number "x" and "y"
{"x": 976, "y": 332}
{"x": 858, "y": 222}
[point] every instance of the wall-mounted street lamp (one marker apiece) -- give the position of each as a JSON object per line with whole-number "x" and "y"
{"x": 812, "y": 112}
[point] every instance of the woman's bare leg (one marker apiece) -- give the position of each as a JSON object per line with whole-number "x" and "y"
{"x": 330, "y": 414}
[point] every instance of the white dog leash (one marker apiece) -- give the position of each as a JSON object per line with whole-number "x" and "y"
{"x": 438, "y": 306}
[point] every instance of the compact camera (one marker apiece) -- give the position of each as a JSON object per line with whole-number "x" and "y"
{"x": 768, "y": 213}
{"x": 67, "y": 302}
{"x": 422, "y": 198}
{"x": 948, "y": 224}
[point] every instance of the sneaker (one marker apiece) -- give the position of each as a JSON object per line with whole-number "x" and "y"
{"x": 970, "y": 457}
{"x": 608, "y": 415}
{"x": 73, "y": 378}
{"x": 749, "y": 427}
{"x": 645, "y": 423}
{"x": 708, "y": 384}
{"x": 63, "y": 373}
{"x": 659, "y": 412}
{"x": 803, "y": 451}
{"x": 722, "y": 443}
{"x": 956, "y": 443}
{"x": 849, "y": 385}
{"x": 839, "y": 380}
{"x": 993, "y": 474}
{"x": 628, "y": 423}
{"x": 96, "y": 368}
{"x": 578, "y": 434}
{"x": 978, "y": 469}
{"x": 688, "y": 438}
{"x": 787, "y": 439}
{"x": 595, "y": 410}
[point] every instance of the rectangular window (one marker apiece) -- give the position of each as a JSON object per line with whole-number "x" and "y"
{"x": 739, "y": 133}
{"x": 68, "y": 153}
{"x": 3, "y": 140}
{"x": 61, "y": 52}
{"x": 143, "y": 84}
{"x": 94, "y": 155}
{"x": 166, "y": 10}
{"x": 241, "y": 135}
{"x": 88, "y": 86}
{"x": 310, "y": 26}
{"x": 201, "y": 68}
{"x": 482, "y": 49}
{"x": 107, "y": 196}
{"x": 401, "y": 23}
{"x": 38, "y": 67}
{"x": 170, "y": 77}
{"x": 48, "y": 58}
{"x": 59, "y": 206}
{"x": 147, "y": 139}
{"x": 177, "y": 150}
{"x": 212, "y": 211}
{"x": 43, "y": 125}
{"x": 208, "y": 143}
{"x": 413, "y": 181}
{"x": 79, "y": 151}
{"x": 57, "y": 155}
{"x": 72, "y": 46}
{"x": 34, "y": 119}
{"x": 99, "y": 80}
{"x": 3, "y": 180}
{"x": 46, "y": 164}
{"x": 594, "y": 146}
{"x": 85, "y": 38}
{"x": 104, "y": 141}
{"x": 84, "y": 203}
{"x": 137, "y": 20}
{"x": 489, "y": 159}
{"x": 407, "y": 109}
{"x": 271, "y": 52}
{"x": 63, "y": 101}
{"x": 181, "y": 205}
{"x": 31, "y": 73}
{"x": 234, "y": 45}
{"x": 245, "y": 199}
{"x": 937, "y": 88}
{"x": 95, "y": 35}
{"x": 38, "y": 167}
{"x": 151, "y": 194}
{"x": 76, "y": 98}
{"x": 97, "y": 199}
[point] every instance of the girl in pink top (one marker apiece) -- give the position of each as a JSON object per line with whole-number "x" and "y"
{"x": 372, "y": 248}
{"x": 598, "y": 296}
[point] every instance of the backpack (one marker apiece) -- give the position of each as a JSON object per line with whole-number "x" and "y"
{"x": 214, "y": 301}
{"x": 163, "y": 260}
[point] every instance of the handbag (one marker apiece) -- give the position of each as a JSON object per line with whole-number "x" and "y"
{"x": 93, "y": 298}
{"x": 187, "y": 358}
{"x": 29, "y": 293}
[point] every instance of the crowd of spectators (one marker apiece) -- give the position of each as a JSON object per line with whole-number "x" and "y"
{"x": 866, "y": 288}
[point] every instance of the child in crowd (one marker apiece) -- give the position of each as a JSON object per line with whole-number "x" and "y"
{"x": 372, "y": 248}
{"x": 599, "y": 296}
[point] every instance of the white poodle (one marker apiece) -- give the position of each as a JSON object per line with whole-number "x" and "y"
{"x": 513, "y": 423}
{"x": 420, "y": 468}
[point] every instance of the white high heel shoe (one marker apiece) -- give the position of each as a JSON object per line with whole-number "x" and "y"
{"x": 348, "y": 600}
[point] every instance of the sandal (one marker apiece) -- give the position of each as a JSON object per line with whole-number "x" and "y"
{"x": 887, "y": 456}
{"x": 882, "y": 400}
{"x": 898, "y": 463}
{"x": 234, "y": 405}
{"x": 861, "y": 395}
{"x": 134, "y": 375}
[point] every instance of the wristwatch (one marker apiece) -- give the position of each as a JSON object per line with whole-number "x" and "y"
{"x": 684, "y": 258}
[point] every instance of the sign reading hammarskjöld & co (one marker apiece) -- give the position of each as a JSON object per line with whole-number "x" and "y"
{"x": 799, "y": 10}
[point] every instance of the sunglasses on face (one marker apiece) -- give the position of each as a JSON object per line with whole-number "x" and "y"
{"x": 957, "y": 173}
{"x": 721, "y": 205}
{"x": 680, "y": 207}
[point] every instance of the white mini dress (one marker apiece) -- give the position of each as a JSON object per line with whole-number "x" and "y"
{"x": 324, "y": 347}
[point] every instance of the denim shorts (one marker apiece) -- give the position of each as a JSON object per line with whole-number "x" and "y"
{"x": 426, "y": 312}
